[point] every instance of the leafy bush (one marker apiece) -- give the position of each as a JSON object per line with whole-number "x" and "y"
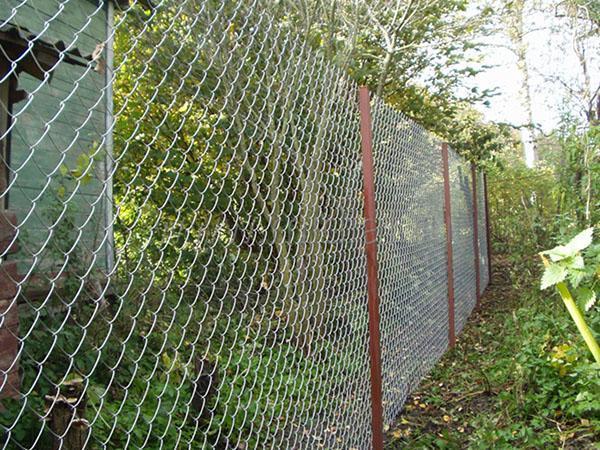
{"x": 568, "y": 263}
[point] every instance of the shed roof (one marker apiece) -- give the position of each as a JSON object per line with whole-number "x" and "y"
{"x": 40, "y": 55}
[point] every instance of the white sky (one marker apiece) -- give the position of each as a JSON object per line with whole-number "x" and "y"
{"x": 550, "y": 54}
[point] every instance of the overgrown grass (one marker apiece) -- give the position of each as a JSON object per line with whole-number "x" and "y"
{"x": 520, "y": 377}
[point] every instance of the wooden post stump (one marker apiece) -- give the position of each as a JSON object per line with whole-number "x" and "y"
{"x": 10, "y": 380}
{"x": 66, "y": 416}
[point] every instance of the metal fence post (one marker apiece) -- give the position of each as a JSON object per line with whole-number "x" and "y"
{"x": 450, "y": 266}
{"x": 476, "y": 232}
{"x": 487, "y": 227}
{"x": 371, "y": 251}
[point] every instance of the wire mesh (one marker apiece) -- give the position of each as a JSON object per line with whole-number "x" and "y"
{"x": 412, "y": 249}
{"x": 232, "y": 311}
{"x": 483, "y": 255}
{"x": 461, "y": 195}
{"x": 182, "y": 239}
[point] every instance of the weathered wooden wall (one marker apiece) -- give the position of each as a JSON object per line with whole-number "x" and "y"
{"x": 61, "y": 120}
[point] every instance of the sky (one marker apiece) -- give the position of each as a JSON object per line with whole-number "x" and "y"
{"x": 550, "y": 55}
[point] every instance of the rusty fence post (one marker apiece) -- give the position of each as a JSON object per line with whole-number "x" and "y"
{"x": 449, "y": 264}
{"x": 487, "y": 228}
{"x": 366, "y": 133}
{"x": 476, "y": 232}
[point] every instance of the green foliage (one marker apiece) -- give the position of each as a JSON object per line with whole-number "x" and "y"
{"x": 568, "y": 263}
{"x": 533, "y": 209}
{"x": 577, "y": 262}
{"x": 204, "y": 177}
{"x": 419, "y": 58}
{"x": 583, "y": 10}
{"x": 577, "y": 168}
{"x": 522, "y": 209}
{"x": 519, "y": 378}
{"x": 474, "y": 139}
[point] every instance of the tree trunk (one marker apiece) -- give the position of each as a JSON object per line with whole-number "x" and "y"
{"x": 516, "y": 32}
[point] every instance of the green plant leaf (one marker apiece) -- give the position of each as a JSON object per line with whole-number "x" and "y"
{"x": 575, "y": 277}
{"x": 553, "y": 274}
{"x": 577, "y": 262}
{"x": 578, "y": 243}
{"x": 557, "y": 253}
{"x": 586, "y": 298}
{"x": 581, "y": 241}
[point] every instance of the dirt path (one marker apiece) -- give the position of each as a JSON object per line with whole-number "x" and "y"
{"x": 438, "y": 417}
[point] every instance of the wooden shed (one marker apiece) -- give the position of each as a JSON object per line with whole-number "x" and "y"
{"x": 56, "y": 124}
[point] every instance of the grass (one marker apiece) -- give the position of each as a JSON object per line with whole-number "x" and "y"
{"x": 519, "y": 377}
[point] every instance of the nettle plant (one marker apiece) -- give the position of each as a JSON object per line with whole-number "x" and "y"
{"x": 574, "y": 268}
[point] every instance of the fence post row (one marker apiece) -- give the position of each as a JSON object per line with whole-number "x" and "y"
{"x": 448, "y": 223}
{"x": 476, "y": 233}
{"x": 366, "y": 134}
{"x": 487, "y": 228}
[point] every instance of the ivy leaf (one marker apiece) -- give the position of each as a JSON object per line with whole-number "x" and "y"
{"x": 553, "y": 274}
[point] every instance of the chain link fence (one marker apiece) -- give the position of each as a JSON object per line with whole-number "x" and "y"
{"x": 461, "y": 194}
{"x": 182, "y": 237}
{"x": 412, "y": 253}
{"x": 482, "y": 235}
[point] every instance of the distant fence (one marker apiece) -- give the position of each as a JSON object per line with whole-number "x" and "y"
{"x": 209, "y": 239}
